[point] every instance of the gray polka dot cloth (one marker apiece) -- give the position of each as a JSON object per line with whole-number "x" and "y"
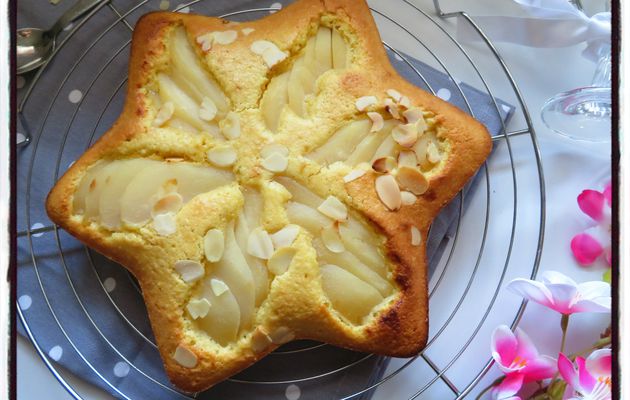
{"x": 86, "y": 312}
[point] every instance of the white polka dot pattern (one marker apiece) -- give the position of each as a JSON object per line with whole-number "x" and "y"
{"x": 55, "y": 353}
{"x": 164, "y": 4}
{"x": 109, "y": 284}
{"x": 37, "y": 225}
{"x": 25, "y": 302}
{"x": 121, "y": 369}
{"x": 275, "y": 5}
{"x": 75, "y": 96}
{"x": 444, "y": 94}
{"x": 293, "y": 392}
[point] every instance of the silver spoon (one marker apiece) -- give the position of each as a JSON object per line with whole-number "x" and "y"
{"x": 34, "y": 46}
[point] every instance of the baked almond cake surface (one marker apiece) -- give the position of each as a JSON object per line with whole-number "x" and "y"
{"x": 270, "y": 181}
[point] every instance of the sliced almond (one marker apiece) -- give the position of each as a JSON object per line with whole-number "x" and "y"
{"x": 225, "y": 37}
{"x": 333, "y": 208}
{"x": 189, "y": 270}
{"x": 364, "y": 102}
{"x": 198, "y": 308}
{"x": 332, "y": 240}
{"x": 259, "y": 244}
{"x": 218, "y": 287}
{"x": 377, "y": 121}
{"x": 170, "y": 203}
{"x": 231, "y": 125}
{"x": 165, "y": 224}
{"x": 280, "y": 260}
{"x": 281, "y": 335}
{"x": 412, "y": 115}
{"x": 206, "y": 41}
{"x": 433, "y": 154}
{"x": 384, "y": 164}
{"x": 270, "y": 53}
{"x": 404, "y": 102}
{"x": 185, "y": 357}
{"x": 275, "y": 162}
{"x": 394, "y": 94}
{"x": 412, "y": 179}
{"x": 405, "y": 135}
{"x": 407, "y": 159}
{"x": 213, "y": 245}
{"x": 247, "y": 31}
{"x": 260, "y": 340}
{"x": 207, "y": 110}
{"x": 222, "y": 156}
{"x": 354, "y": 174}
{"x": 416, "y": 237}
{"x": 388, "y": 191}
{"x": 164, "y": 113}
{"x": 408, "y": 198}
{"x": 271, "y": 148}
{"x": 285, "y": 236}
{"x": 391, "y": 108}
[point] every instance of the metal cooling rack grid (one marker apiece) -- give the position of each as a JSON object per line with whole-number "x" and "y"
{"x": 453, "y": 275}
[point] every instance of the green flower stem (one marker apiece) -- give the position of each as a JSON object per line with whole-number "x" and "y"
{"x": 564, "y": 324}
{"x": 600, "y": 344}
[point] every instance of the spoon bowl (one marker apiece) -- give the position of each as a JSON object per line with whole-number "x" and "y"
{"x": 33, "y": 47}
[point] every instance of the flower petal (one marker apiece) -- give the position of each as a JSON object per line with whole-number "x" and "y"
{"x": 504, "y": 345}
{"x": 531, "y": 290}
{"x": 608, "y": 256}
{"x": 568, "y": 372}
{"x": 596, "y": 305}
{"x": 593, "y": 289}
{"x": 526, "y": 348}
{"x": 587, "y": 381}
{"x": 563, "y": 296}
{"x": 599, "y": 363}
{"x": 540, "y": 368}
{"x": 508, "y": 387}
{"x": 608, "y": 194}
{"x": 557, "y": 277}
{"x": 591, "y": 202}
{"x": 585, "y": 248}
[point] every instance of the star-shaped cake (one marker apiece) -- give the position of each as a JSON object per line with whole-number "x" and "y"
{"x": 270, "y": 181}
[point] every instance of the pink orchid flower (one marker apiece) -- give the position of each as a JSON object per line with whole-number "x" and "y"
{"x": 596, "y": 240}
{"x": 562, "y": 294}
{"x": 591, "y": 380}
{"x": 508, "y": 388}
{"x": 515, "y": 354}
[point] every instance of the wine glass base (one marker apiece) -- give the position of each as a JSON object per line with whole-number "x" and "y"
{"x": 580, "y": 114}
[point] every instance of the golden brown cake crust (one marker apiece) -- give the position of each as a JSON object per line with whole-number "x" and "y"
{"x": 402, "y": 328}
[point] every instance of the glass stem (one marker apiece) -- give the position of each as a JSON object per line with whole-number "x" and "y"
{"x": 603, "y": 71}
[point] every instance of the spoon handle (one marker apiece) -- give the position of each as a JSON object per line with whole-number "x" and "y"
{"x": 74, "y": 12}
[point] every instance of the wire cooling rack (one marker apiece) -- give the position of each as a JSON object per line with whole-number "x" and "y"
{"x": 499, "y": 235}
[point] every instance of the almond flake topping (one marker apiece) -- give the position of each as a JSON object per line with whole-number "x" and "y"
{"x": 332, "y": 240}
{"x": 275, "y": 162}
{"x": 247, "y": 31}
{"x": 433, "y": 155}
{"x": 412, "y": 180}
{"x": 407, "y": 159}
{"x": 412, "y": 115}
{"x": 354, "y": 174}
{"x": 164, "y": 113}
{"x": 185, "y": 357}
{"x": 285, "y": 236}
{"x": 384, "y": 164}
{"x": 189, "y": 270}
{"x": 404, "y": 102}
{"x": 281, "y": 335}
{"x": 260, "y": 340}
{"x": 198, "y": 308}
{"x": 377, "y": 121}
{"x": 222, "y": 156}
{"x": 333, "y": 208}
{"x": 205, "y": 41}
{"x": 388, "y": 191}
{"x": 364, "y": 102}
{"x": 165, "y": 224}
{"x": 218, "y": 287}
{"x": 407, "y": 198}
{"x": 280, "y": 260}
{"x": 391, "y": 108}
{"x": 231, "y": 126}
{"x": 170, "y": 203}
{"x": 415, "y": 236}
{"x": 213, "y": 245}
{"x": 207, "y": 110}
{"x": 270, "y": 53}
{"x": 271, "y": 148}
{"x": 259, "y": 244}
{"x": 225, "y": 37}
{"x": 405, "y": 135}
{"x": 394, "y": 94}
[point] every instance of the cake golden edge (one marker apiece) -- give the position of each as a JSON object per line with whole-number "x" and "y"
{"x": 401, "y": 329}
